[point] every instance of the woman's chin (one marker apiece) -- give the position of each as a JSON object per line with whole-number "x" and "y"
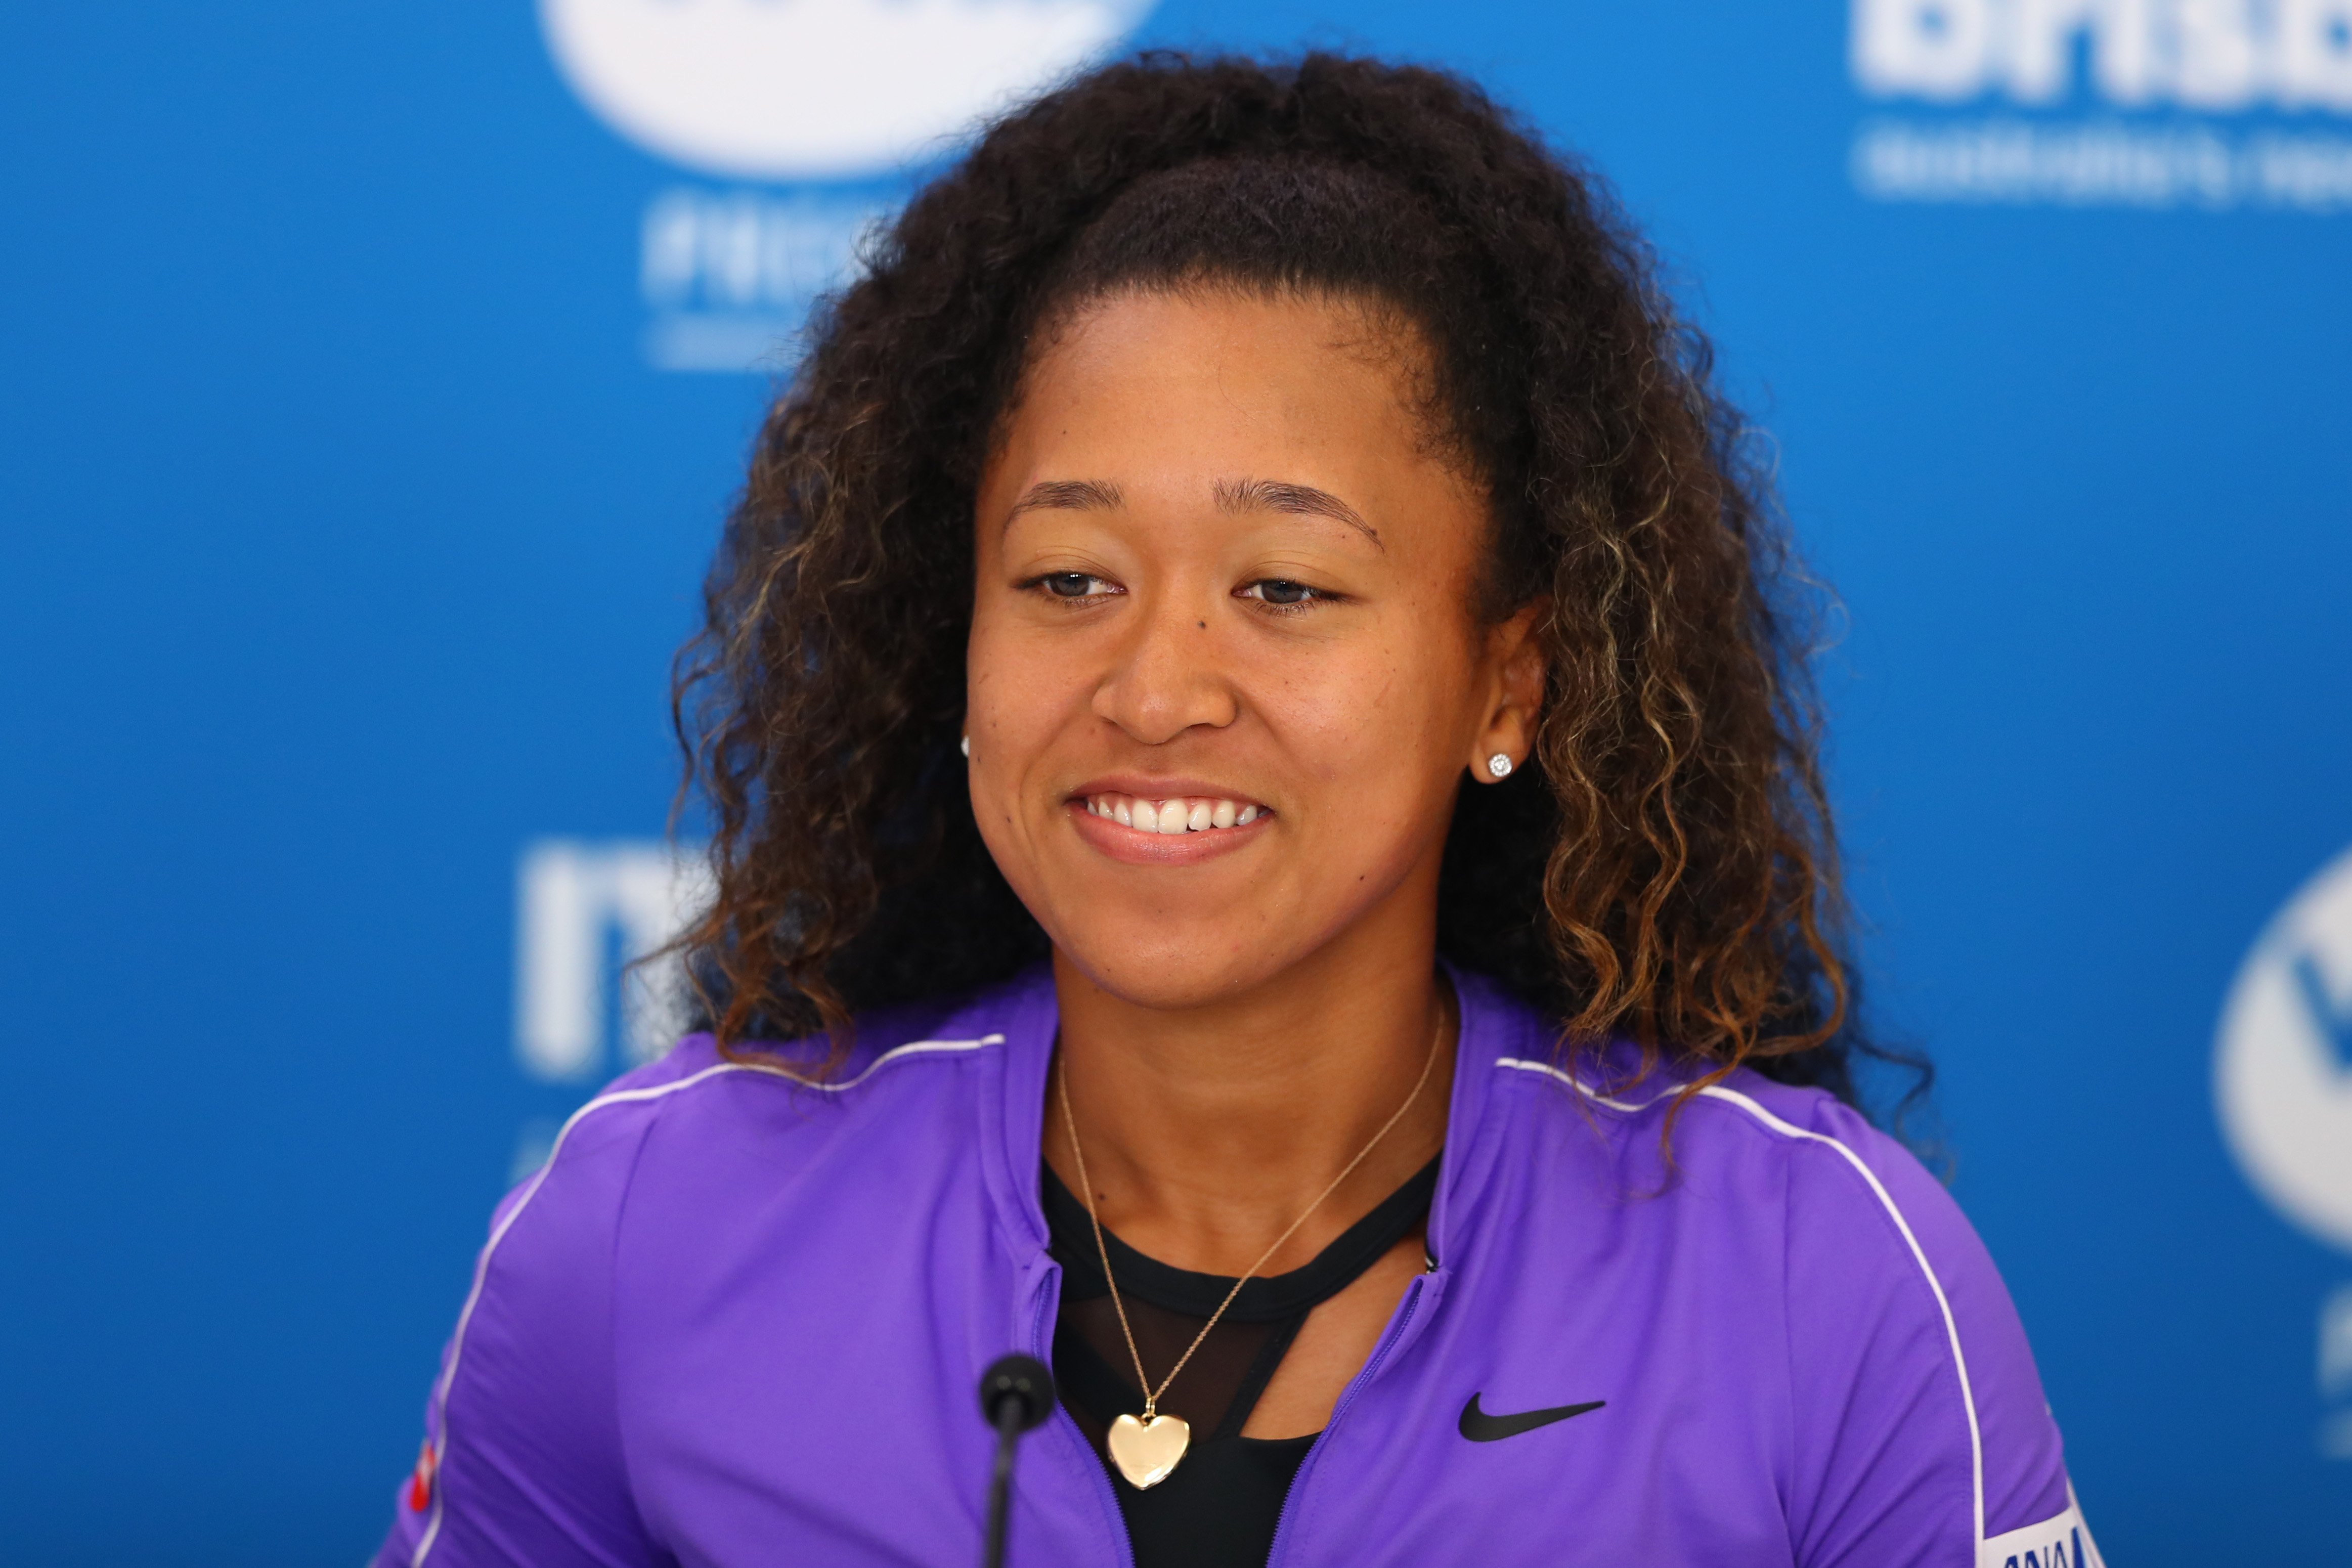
{"x": 1190, "y": 968}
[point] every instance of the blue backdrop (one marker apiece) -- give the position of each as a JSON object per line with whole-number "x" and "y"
{"x": 375, "y": 381}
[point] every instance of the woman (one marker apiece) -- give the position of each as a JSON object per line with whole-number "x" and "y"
{"x": 1269, "y": 849}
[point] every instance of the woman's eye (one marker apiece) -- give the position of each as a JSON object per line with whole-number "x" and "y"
{"x": 1282, "y": 590}
{"x": 1072, "y": 584}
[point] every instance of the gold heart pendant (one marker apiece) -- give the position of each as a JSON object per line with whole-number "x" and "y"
{"x": 1145, "y": 1451}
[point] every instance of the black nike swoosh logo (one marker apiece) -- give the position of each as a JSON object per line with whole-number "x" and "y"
{"x": 1481, "y": 1428}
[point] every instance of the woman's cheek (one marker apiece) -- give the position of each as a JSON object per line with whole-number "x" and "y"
{"x": 1377, "y": 738}
{"x": 1023, "y": 712}
{"x": 1342, "y": 720}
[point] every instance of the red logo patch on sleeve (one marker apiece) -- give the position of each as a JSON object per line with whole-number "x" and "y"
{"x": 420, "y": 1479}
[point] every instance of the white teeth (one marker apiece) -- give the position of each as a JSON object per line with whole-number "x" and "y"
{"x": 1194, "y": 814}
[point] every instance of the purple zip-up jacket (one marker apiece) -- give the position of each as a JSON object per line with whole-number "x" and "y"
{"x": 738, "y": 1319}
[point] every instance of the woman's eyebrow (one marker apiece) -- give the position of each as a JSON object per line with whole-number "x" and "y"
{"x": 1231, "y": 495}
{"x": 1276, "y": 495}
{"x": 1075, "y": 495}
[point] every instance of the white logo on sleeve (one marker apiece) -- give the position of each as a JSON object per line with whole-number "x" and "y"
{"x": 2061, "y": 1542}
{"x": 2283, "y": 1066}
{"x": 800, "y": 89}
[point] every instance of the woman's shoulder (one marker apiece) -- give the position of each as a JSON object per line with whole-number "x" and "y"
{"x": 1899, "y": 1332}
{"x": 1747, "y": 1155}
{"x": 1761, "y": 1134}
{"x": 1892, "y": 1299}
{"x": 657, "y": 1151}
{"x": 770, "y": 1099}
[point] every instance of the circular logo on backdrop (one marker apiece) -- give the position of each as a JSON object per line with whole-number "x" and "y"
{"x": 802, "y": 89}
{"x": 2283, "y": 1065}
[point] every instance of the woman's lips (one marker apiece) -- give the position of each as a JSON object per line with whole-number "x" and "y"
{"x": 1129, "y": 827}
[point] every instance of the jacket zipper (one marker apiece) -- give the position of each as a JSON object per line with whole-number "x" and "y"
{"x": 1347, "y": 1397}
{"x": 1047, "y": 1301}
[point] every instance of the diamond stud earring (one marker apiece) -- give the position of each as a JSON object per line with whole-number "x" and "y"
{"x": 1499, "y": 764}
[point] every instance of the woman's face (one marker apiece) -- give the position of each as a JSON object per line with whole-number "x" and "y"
{"x": 1224, "y": 677}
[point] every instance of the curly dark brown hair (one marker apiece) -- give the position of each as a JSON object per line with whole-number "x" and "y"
{"x": 1665, "y": 872}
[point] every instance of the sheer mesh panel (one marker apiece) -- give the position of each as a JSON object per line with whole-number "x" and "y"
{"x": 1222, "y": 1506}
{"x": 1165, "y": 1306}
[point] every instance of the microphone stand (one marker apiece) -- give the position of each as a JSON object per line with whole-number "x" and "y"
{"x": 1016, "y": 1394}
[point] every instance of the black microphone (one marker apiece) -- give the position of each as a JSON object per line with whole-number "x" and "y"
{"x": 1016, "y": 1394}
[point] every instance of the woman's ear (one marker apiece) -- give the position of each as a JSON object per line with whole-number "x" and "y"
{"x": 1514, "y": 680}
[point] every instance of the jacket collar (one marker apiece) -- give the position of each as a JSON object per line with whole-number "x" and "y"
{"x": 1494, "y": 1024}
{"x": 1012, "y": 1108}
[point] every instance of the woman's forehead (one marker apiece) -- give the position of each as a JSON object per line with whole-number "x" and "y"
{"x": 1248, "y": 376}
{"x": 1321, "y": 324}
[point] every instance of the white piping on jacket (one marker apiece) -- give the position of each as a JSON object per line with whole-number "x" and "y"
{"x": 622, "y": 1097}
{"x": 1886, "y": 1201}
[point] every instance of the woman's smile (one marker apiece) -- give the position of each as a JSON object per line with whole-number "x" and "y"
{"x": 1172, "y": 825}
{"x": 1184, "y": 815}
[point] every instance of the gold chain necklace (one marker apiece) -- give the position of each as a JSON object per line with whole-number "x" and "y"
{"x": 1147, "y": 1450}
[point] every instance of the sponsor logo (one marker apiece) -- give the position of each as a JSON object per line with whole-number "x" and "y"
{"x": 1481, "y": 1428}
{"x": 2059, "y": 1551}
{"x": 798, "y": 91}
{"x": 2061, "y": 1542}
{"x": 2149, "y": 103}
{"x": 780, "y": 90}
{"x": 590, "y": 1000}
{"x": 588, "y": 915}
{"x": 2336, "y": 1373}
{"x": 2283, "y": 1060}
{"x": 2282, "y": 1088}
{"x": 2202, "y": 54}
{"x": 729, "y": 276}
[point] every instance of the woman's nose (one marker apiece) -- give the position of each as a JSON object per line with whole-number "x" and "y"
{"x": 1168, "y": 677}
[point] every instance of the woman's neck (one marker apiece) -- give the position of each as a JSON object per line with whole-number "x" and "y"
{"x": 1207, "y": 1130}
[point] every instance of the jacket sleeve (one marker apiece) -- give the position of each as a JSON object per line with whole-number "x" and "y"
{"x": 522, "y": 1461}
{"x": 1921, "y": 1435}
